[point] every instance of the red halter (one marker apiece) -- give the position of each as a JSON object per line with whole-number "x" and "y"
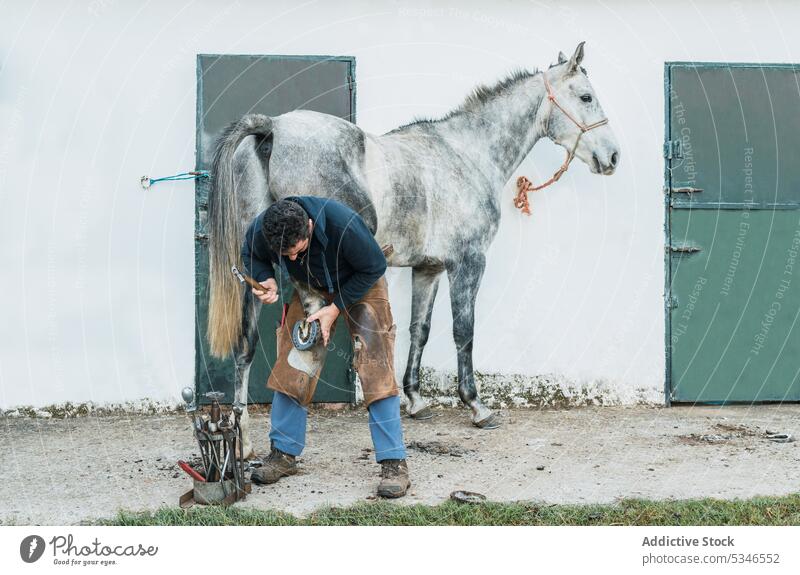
{"x": 524, "y": 185}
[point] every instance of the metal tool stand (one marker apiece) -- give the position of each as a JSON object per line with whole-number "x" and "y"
{"x": 220, "y": 441}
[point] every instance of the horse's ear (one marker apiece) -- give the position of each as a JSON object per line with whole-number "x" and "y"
{"x": 561, "y": 57}
{"x": 576, "y": 59}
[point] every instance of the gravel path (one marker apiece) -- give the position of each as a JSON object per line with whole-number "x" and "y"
{"x": 70, "y": 470}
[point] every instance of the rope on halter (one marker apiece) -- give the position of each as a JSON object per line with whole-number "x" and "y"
{"x": 525, "y": 186}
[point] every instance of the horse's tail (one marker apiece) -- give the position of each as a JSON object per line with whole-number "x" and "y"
{"x": 226, "y": 235}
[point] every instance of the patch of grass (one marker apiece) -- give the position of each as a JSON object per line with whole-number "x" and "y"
{"x": 201, "y": 516}
{"x": 757, "y": 511}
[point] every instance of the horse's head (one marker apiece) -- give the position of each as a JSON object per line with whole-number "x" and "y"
{"x": 576, "y": 116}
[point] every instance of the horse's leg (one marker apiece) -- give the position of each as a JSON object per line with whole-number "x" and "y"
{"x": 424, "y": 284}
{"x": 465, "y": 279}
{"x": 311, "y": 299}
{"x": 243, "y": 356}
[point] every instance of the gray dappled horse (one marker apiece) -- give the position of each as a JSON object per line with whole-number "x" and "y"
{"x": 431, "y": 188}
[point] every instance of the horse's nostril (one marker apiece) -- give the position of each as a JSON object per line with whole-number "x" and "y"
{"x": 614, "y": 159}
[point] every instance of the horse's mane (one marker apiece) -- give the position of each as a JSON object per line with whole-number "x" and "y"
{"x": 478, "y": 97}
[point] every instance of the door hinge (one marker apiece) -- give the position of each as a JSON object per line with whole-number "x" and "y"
{"x": 686, "y": 190}
{"x": 682, "y": 249}
{"x": 672, "y": 301}
{"x": 673, "y": 149}
{"x": 198, "y": 237}
{"x": 350, "y": 82}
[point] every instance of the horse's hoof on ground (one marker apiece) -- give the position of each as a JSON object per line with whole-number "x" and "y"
{"x": 424, "y": 413}
{"x": 491, "y": 422}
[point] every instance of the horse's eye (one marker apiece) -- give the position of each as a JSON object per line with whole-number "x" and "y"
{"x": 586, "y": 98}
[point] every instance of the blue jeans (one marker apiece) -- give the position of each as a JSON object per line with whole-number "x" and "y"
{"x": 288, "y": 431}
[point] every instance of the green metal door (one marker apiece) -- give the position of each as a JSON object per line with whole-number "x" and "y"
{"x": 733, "y": 232}
{"x": 229, "y": 86}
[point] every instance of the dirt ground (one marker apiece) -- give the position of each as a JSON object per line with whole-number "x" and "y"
{"x": 71, "y": 470}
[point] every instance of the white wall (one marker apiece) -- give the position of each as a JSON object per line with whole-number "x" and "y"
{"x": 97, "y": 277}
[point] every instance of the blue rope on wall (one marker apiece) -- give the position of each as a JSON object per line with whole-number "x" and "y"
{"x": 147, "y": 181}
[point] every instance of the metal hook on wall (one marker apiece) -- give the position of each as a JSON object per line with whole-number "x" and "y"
{"x": 146, "y": 182}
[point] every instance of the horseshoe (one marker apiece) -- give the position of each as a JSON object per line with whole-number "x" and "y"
{"x": 305, "y": 335}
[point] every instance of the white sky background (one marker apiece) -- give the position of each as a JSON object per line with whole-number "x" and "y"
{"x": 98, "y": 275}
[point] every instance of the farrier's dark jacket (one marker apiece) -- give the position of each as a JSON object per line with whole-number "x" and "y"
{"x": 343, "y": 256}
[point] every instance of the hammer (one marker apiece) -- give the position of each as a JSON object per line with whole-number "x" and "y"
{"x": 243, "y": 278}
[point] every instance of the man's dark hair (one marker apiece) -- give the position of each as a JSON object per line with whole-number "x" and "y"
{"x": 285, "y": 223}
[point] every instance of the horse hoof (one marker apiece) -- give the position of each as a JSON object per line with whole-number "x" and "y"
{"x": 490, "y": 422}
{"x": 424, "y": 413}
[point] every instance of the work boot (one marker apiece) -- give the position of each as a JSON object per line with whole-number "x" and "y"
{"x": 277, "y": 465}
{"x": 394, "y": 478}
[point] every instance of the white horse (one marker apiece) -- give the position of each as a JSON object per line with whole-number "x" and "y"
{"x": 431, "y": 189}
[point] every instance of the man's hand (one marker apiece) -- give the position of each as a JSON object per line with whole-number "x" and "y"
{"x": 326, "y": 316}
{"x": 269, "y": 293}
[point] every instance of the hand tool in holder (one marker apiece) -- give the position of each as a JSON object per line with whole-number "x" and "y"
{"x": 219, "y": 438}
